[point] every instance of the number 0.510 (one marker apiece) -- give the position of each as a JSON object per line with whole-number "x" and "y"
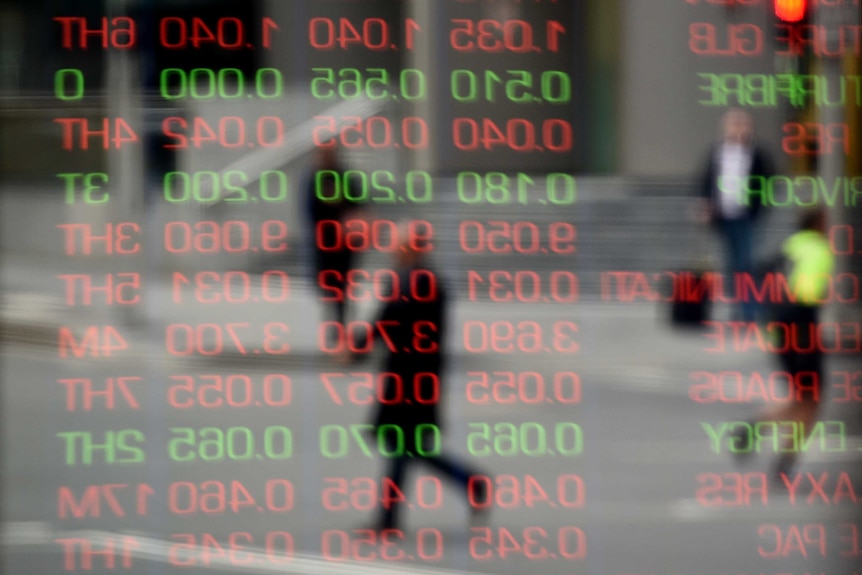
{"x": 554, "y": 87}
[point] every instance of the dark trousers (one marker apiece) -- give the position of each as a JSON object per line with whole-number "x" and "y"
{"x": 341, "y": 263}
{"x": 739, "y": 244}
{"x": 397, "y": 468}
{"x": 804, "y": 354}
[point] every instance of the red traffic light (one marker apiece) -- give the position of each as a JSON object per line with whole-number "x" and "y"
{"x": 790, "y": 10}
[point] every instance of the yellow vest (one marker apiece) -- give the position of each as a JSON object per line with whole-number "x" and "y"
{"x": 812, "y": 264}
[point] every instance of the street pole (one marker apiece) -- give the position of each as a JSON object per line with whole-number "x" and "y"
{"x": 832, "y": 166}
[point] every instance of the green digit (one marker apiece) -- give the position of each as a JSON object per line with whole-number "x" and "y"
{"x": 572, "y": 445}
{"x": 281, "y": 179}
{"x": 175, "y": 443}
{"x": 505, "y": 435}
{"x": 356, "y": 82}
{"x": 164, "y": 83}
{"x": 569, "y": 193}
{"x": 195, "y": 81}
{"x": 60, "y": 84}
{"x": 502, "y": 187}
{"x": 197, "y": 187}
{"x": 277, "y": 82}
{"x": 351, "y": 176}
{"x": 523, "y": 182}
{"x": 462, "y": 193}
{"x": 248, "y": 452}
{"x": 320, "y": 188}
{"x": 269, "y": 442}
{"x": 211, "y": 449}
{"x": 376, "y": 177}
{"x": 420, "y": 445}
{"x": 383, "y": 445}
{"x": 490, "y": 78}
{"x": 541, "y": 443}
{"x": 325, "y": 432}
{"x": 427, "y": 189}
{"x": 472, "y": 89}
{"x": 235, "y": 192}
{"x": 565, "y": 93}
{"x": 356, "y": 432}
{"x": 223, "y": 83}
{"x": 170, "y": 188}
{"x": 420, "y": 84}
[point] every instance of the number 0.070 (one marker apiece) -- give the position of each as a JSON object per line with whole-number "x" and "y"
{"x": 232, "y": 444}
{"x": 335, "y": 440}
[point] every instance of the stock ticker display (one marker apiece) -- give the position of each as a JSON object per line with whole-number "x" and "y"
{"x": 336, "y": 293}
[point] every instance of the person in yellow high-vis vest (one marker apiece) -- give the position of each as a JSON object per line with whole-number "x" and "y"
{"x": 808, "y": 262}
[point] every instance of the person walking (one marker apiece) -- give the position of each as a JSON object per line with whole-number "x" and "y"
{"x": 327, "y": 209}
{"x": 415, "y": 343}
{"x": 735, "y": 164}
{"x": 808, "y": 262}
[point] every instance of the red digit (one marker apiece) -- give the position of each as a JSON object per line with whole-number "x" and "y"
{"x": 167, "y": 127}
{"x": 347, "y": 34}
{"x": 279, "y": 495}
{"x": 201, "y": 132}
{"x": 279, "y": 547}
{"x": 391, "y": 495}
{"x": 201, "y": 33}
{"x": 240, "y": 497}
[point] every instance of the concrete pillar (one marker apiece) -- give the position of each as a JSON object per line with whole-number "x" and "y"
{"x": 422, "y": 57}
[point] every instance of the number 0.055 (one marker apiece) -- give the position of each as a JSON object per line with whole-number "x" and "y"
{"x": 527, "y": 387}
{"x": 216, "y": 391}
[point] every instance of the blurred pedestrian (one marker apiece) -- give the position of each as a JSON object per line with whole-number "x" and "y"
{"x": 327, "y": 203}
{"x": 415, "y": 343}
{"x": 732, "y": 172}
{"x": 808, "y": 262}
